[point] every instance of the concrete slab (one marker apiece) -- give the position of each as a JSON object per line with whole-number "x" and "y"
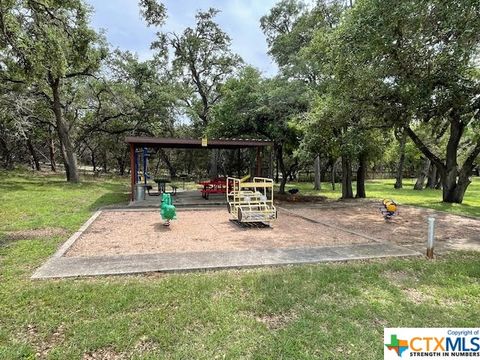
{"x": 70, "y": 241}
{"x": 58, "y": 267}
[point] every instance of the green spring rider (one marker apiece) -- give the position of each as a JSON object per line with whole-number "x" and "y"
{"x": 167, "y": 209}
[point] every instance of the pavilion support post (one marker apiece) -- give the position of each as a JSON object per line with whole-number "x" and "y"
{"x": 133, "y": 171}
{"x": 258, "y": 166}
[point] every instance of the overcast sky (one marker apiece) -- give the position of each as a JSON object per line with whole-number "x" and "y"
{"x": 239, "y": 18}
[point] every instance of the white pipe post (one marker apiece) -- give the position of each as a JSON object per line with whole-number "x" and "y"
{"x": 431, "y": 237}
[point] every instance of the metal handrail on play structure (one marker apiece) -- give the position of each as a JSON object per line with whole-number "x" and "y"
{"x": 251, "y": 201}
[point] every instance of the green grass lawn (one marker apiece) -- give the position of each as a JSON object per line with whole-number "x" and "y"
{"x": 328, "y": 311}
{"x": 380, "y": 189}
{"x": 35, "y": 201}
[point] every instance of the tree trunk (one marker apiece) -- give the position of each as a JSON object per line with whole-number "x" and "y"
{"x": 64, "y": 159}
{"x": 432, "y": 177}
{"x": 454, "y": 182}
{"x": 283, "y": 169}
{"x": 361, "y": 175}
{"x": 277, "y": 172}
{"x": 347, "y": 191}
{"x": 438, "y": 181}
{"x": 51, "y": 150}
{"x": 324, "y": 170}
{"x": 7, "y": 155}
{"x": 221, "y": 168}
{"x": 401, "y": 162}
{"x": 121, "y": 165}
{"x": 334, "y": 170}
{"x": 422, "y": 174}
{"x": 105, "y": 162}
{"x": 239, "y": 163}
{"x": 93, "y": 161}
{"x": 171, "y": 168}
{"x": 213, "y": 173}
{"x": 70, "y": 158}
{"x": 453, "y": 189}
{"x": 318, "y": 173}
{"x": 190, "y": 156}
{"x": 33, "y": 153}
{"x": 281, "y": 190}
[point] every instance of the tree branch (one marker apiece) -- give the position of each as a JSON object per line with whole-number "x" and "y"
{"x": 85, "y": 72}
{"x": 424, "y": 149}
{"x": 467, "y": 166}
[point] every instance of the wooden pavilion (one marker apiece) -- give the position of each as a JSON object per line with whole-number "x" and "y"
{"x": 137, "y": 142}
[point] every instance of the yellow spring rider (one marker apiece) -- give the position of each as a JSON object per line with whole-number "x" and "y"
{"x": 389, "y": 209}
{"x": 251, "y": 201}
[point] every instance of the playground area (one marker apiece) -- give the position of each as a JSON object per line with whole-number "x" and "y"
{"x": 126, "y": 240}
{"x": 142, "y": 232}
{"x": 232, "y": 222}
{"x": 331, "y": 224}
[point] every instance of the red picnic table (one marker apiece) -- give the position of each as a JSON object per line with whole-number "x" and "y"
{"x": 215, "y": 186}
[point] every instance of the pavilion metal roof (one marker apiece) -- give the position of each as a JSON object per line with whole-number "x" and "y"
{"x": 154, "y": 142}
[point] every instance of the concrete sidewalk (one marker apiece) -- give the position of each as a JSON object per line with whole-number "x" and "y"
{"x": 60, "y": 266}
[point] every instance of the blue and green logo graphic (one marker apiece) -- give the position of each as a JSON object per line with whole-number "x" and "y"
{"x": 398, "y": 345}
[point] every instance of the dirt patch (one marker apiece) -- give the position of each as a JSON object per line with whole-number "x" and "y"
{"x": 399, "y": 277}
{"x": 416, "y": 296}
{"x": 104, "y": 354}
{"x": 141, "y": 232}
{"x": 409, "y": 228}
{"x": 145, "y": 345}
{"x": 43, "y": 346}
{"x": 277, "y": 321}
{"x": 33, "y": 234}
